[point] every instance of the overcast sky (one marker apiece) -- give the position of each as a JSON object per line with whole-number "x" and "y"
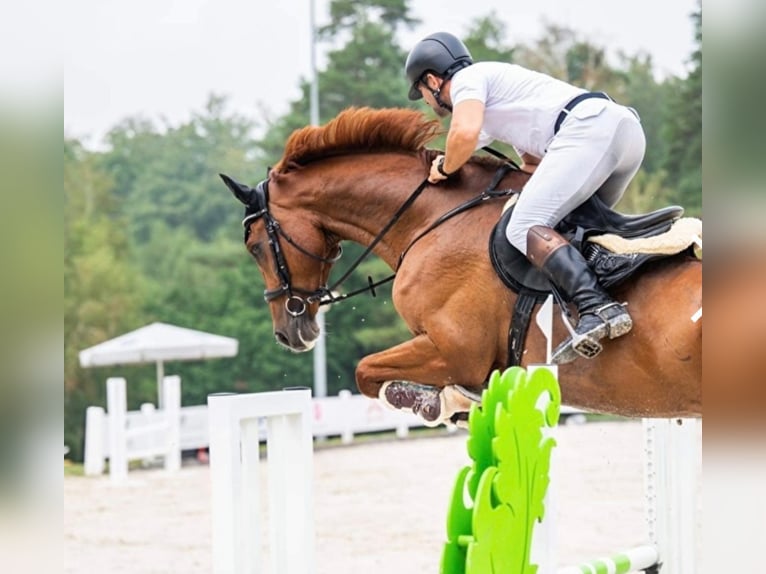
{"x": 162, "y": 58}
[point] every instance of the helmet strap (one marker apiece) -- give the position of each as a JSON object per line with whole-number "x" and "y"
{"x": 437, "y": 96}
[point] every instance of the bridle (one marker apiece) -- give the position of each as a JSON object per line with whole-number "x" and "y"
{"x": 298, "y": 299}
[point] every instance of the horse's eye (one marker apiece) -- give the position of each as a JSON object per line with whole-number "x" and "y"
{"x": 256, "y": 251}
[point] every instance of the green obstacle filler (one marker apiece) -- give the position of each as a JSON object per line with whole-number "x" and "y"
{"x": 499, "y": 498}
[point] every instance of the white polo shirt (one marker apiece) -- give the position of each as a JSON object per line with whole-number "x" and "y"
{"x": 521, "y": 105}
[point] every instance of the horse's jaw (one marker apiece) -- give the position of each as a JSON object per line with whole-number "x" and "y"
{"x": 298, "y": 335}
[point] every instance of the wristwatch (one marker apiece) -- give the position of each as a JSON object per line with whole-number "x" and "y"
{"x": 440, "y": 167}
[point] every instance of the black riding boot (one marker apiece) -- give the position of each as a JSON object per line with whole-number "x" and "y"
{"x": 599, "y": 315}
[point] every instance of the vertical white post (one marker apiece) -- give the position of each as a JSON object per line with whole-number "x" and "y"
{"x": 116, "y": 402}
{"x": 290, "y": 497}
{"x": 250, "y": 535}
{"x": 673, "y": 457}
{"x": 171, "y": 391}
{"x": 226, "y": 492}
{"x": 94, "y": 455}
{"x": 543, "y": 551}
{"x": 234, "y": 454}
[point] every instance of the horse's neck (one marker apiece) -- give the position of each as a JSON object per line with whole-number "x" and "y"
{"x": 356, "y": 197}
{"x": 363, "y": 198}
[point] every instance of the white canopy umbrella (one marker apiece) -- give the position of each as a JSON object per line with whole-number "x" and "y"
{"x": 157, "y": 343}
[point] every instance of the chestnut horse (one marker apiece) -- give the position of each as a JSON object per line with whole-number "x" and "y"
{"x": 349, "y": 179}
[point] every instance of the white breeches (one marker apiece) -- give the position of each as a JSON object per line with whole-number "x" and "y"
{"x": 598, "y": 149}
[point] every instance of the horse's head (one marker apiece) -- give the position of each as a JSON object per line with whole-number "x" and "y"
{"x": 295, "y": 262}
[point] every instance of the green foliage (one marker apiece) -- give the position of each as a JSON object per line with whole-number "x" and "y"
{"x": 366, "y": 72}
{"x": 683, "y": 132}
{"x": 649, "y": 97}
{"x": 486, "y": 40}
{"x": 348, "y": 14}
{"x": 168, "y": 177}
{"x": 102, "y": 292}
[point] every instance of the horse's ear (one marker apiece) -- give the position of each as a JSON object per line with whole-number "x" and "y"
{"x": 241, "y": 191}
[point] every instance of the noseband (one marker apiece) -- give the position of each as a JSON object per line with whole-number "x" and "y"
{"x": 298, "y": 299}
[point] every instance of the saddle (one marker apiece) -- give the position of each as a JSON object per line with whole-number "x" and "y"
{"x": 594, "y": 229}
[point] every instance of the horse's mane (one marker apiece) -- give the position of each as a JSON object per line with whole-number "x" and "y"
{"x": 357, "y": 130}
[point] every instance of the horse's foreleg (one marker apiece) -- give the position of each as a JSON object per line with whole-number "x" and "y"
{"x": 413, "y": 376}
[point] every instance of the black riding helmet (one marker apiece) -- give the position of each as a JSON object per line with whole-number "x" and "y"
{"x": 441, "y": 53}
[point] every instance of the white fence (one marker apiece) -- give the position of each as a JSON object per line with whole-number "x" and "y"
{"x": 123, "y": 436}
{"x": 150, "y": 432}
{"x": 235, "y": 429}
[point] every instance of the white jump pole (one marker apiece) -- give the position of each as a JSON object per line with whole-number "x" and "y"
{"x": 633, "y": 560}
{"x": 673, "y": 459}
{"x": 544, "y": 542}
{"x": 234, "y": 461}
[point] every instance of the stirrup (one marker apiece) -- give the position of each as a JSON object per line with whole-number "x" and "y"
{"x": 619, "y": 323}
{"x": 584, "y": 345}
{"x": 566, "y": 352}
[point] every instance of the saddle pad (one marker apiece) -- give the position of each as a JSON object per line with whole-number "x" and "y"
{"x": 684, "y": 233}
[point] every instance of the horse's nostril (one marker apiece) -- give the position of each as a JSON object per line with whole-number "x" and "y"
{"x": 281, "y": 337}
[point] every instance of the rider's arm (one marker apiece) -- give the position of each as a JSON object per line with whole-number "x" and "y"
{"x": 463, "y": 135}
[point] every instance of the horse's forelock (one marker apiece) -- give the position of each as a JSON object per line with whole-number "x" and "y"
{"x": 359, "y": 130}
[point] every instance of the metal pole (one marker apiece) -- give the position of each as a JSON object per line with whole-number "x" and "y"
{"x": 320, "y": 359}
{"x": 160, "y": 379}
{"x": 314, "y": 79}
{"x": 320, "y": 350}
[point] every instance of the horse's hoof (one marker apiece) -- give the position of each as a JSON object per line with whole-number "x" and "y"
{"x": 421, "y": 400}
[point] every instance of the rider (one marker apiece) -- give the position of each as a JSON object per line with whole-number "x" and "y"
{"x": 575, "y": 143}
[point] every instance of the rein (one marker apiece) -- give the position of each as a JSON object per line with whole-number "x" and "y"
{"x": 296, "y": 305}
{"x": 489, "y": 193}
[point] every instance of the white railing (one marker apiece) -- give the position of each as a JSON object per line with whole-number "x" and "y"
{"x": 235, "y": 427}
{"x": 144, "y": 431}
{"x": 145, "y": 436}
{"x": 123, "y": 436}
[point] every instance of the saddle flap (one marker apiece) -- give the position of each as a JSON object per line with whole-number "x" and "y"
{"x": 512, "y": 265}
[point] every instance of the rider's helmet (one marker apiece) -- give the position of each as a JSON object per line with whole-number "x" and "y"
{"x": 440, "y": 53}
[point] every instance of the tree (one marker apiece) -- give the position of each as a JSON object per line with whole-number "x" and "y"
{"x": 683, "y": 133}
{"x": 169, "y": 176}
{"x": 364, "y": 69}
{"x": 485, "y": 40}
{"x": 102, "y": 292}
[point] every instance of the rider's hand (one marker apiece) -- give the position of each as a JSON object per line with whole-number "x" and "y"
{"x": 436, "y": 176}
